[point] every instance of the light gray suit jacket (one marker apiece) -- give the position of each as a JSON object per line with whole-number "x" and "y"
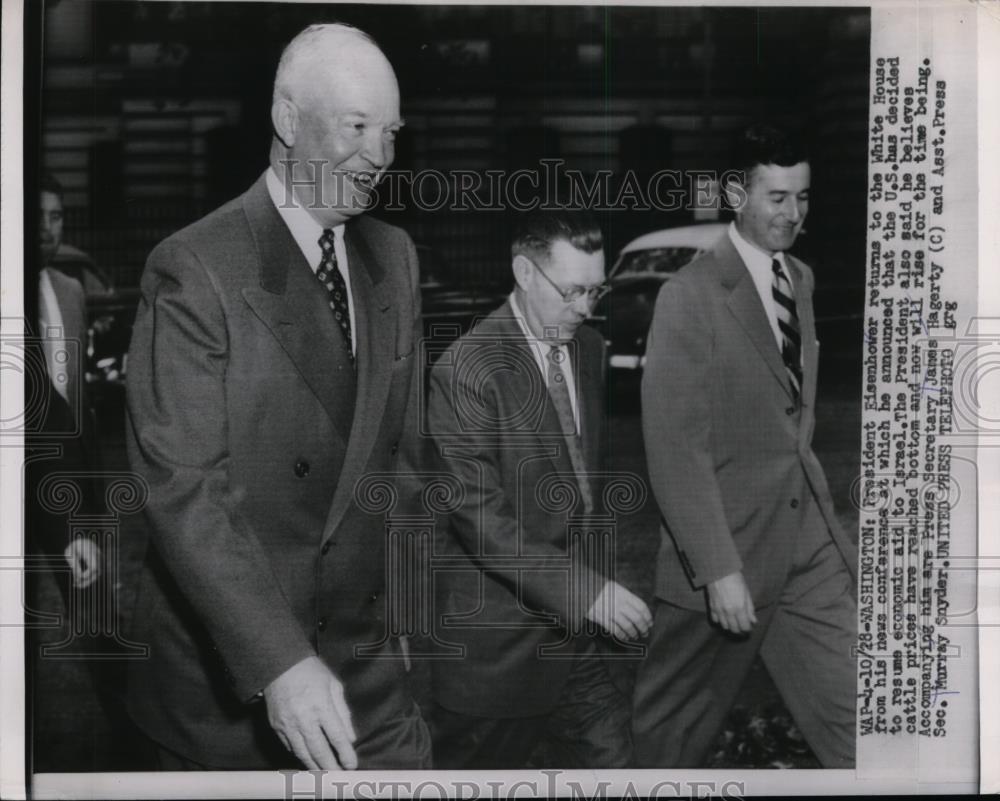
{"x": 729, "y": 448}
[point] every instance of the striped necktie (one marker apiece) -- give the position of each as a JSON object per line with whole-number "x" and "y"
{"x": 559, "y": 393}
{"x": 788, "y": 324}
{"x": 330, "y": 277}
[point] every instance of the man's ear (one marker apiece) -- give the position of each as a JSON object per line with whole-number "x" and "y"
{"x": 285, "y": 120}
{"x": 522, "y": 268}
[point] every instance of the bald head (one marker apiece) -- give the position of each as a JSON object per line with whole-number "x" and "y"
{"x": 335, "y": 112}
{"x": 320, "y": 52}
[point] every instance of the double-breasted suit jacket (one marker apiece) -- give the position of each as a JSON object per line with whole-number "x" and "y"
{"x": 251, "y": 430}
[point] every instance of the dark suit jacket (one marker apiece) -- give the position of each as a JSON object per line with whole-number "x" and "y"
{"x": 62, "y": 431}
{"x": 245, "y": 421}
{"x": 498, "y": 432}
{"x": 729, "y": 450}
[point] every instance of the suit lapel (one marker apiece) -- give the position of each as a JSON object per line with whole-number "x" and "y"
{"x": 745, "y": 305}
{"x": 72, "y": 308}
{"x": 522, "y": 383}
{"x": 69, "y": 298}
{"x": 376, "y": 322}
{"x": 518, "y": 387}
{"x": 588, "y": 388}
{"x": 293, "y": 305}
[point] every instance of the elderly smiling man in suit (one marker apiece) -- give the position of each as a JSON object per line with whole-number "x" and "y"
{"x": 512, "y": 405}
{"x": 728, "y": 408}
{"x": 271, "y": 367}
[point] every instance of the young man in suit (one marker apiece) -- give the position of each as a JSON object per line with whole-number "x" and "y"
{"x": 271, "y": 367}
{"x": 514, "y": 404}
{"x": 729, "y": 395}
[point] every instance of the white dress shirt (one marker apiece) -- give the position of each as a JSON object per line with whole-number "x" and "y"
{"x": 306, "y": 231}
{"x": 759, "y": 264}
{"x": 53, "y": 334}
{"x": 540, "y": 348}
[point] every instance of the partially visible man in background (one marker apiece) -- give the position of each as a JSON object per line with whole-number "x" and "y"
{"x": 728, "y": 411}
{"x": 68, "y": 423}
{"x": 62, "y": 461}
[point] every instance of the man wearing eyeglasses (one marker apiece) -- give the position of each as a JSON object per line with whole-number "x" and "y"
{"x": 516, "y": 412}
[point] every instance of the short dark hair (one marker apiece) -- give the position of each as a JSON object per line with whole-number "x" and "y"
{"x": 536, "y": 231}
{"x": 767, "y": 144}
{"x": 51, "y": 184}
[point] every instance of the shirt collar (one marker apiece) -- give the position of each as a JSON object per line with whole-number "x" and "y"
{"x": 49, "y": 303}
{"x": 756, "y": 260}
{"x": 305, "y": 229}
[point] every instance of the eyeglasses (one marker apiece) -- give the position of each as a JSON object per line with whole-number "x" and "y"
{"x": 574, "y": 293}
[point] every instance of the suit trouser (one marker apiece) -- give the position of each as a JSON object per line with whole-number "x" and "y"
{"x": 402, "y": 743}
{"x": 587, "y": 728}
{"x": 78, "y": 641}
{"x": 693, "y": 671}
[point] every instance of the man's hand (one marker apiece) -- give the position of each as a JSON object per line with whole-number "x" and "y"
{"x": 84, "y": 559}
{"x": 730, "y": 604}
{"x": 307, "y": 710}
{"x": 620, "y": 612}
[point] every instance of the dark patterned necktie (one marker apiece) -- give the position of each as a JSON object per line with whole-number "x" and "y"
{"x": 788, "y": 324}
{"x": 330, "y": 277}
{"x": 564, "y": 409}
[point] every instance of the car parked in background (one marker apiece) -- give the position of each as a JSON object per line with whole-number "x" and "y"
{"x": 450, "y": 305}
{"x": 643, "y": 265}
{"x": 625, "y": 314}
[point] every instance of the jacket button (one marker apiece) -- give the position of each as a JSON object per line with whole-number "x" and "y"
{"x": 790, "y": 411}
{"x": 326, "y": 548}
{"x": 302, "y": 468}
{"x": 321, "y": 624}
{"x": 373, "y": 597}
{"x": 394, "y": 449}
{"x": 794, "y": 503}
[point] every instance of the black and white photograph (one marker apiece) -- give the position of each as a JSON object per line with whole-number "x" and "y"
{"x": 495, "y": 391}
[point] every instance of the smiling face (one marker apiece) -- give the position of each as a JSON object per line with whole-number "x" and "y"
{"x": 339, "y": 130}
{"x": 546, "y": 314}
{"x": 777, "y": 201}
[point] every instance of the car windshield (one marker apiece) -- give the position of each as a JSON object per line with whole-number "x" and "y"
{"x": 656, "y": 260}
